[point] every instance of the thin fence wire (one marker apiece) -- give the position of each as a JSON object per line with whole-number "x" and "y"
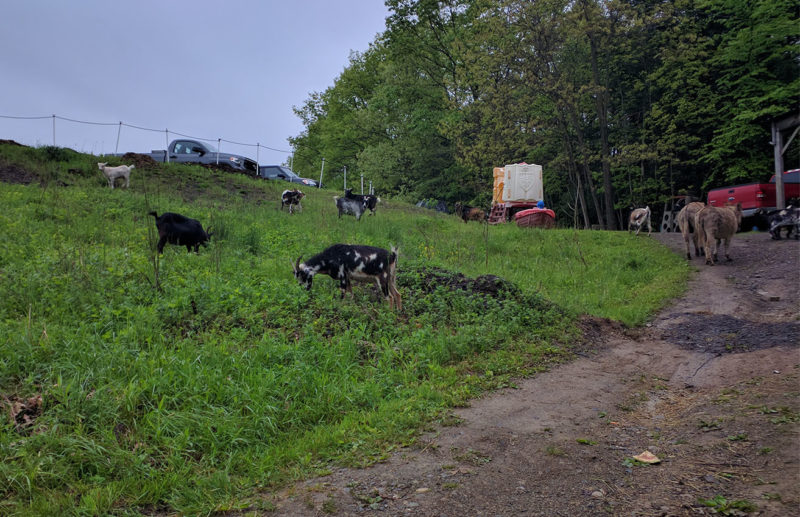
{"x": 120, "y": 124}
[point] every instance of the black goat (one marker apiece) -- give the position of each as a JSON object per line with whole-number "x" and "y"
{"x": 346, "y": 262}
{"x": 180, "y": 230}
{"x": 470, "y": 213}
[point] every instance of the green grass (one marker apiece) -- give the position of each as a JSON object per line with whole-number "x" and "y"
{"x": 195, "y": 382}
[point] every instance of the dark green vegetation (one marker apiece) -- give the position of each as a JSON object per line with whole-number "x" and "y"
{"x": 624, "y": 103}
{"x": 194, "y": 383}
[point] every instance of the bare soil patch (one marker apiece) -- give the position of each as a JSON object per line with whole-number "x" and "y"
{"x": 10, "y": 173}
{"x": 711, "y": 386}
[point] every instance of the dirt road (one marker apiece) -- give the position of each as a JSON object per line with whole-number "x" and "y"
{"x": 711, "y": 386}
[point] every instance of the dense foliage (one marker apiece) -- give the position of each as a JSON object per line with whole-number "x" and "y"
{"x": 623, "y": 102}
{"x": 133, "y": 383}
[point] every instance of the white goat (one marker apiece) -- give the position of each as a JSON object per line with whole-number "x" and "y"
{"x": 112, "y": 173}
{"x": 639, "y": 217}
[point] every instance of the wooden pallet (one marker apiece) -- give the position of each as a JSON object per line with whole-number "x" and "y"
{"x": 499, "y": 214}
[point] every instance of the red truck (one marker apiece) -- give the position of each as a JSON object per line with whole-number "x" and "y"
{"x": 755, "y": 196}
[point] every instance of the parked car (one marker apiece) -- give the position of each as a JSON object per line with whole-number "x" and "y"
{"x": 757, "y": 196}
{"x": 279, "y": 172}
{"x": 193, "y": 151}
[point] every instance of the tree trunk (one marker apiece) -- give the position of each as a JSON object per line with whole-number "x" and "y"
{"x": 575, "y": 173}
{"x": 586, "y": 170}
{"x": 600, "y": 99}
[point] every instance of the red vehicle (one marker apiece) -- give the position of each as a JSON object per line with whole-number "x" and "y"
{"x": 755, "y": 196}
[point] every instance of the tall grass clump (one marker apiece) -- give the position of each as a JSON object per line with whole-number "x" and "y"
{"x": 133, "y": 382}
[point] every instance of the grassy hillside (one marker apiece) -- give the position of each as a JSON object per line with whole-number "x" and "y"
{"x": 133, "y": 383}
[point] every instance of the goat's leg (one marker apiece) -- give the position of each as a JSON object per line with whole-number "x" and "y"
{"x": 686, "y": 242}
{"x": 161, "y": 242}
{"x": 727, "y": 247}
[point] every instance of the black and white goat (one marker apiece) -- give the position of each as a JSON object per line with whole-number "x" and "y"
{"x": 355, "y": 207}
{"x": 290, "y": 198}
{"x": 348, "y": 262}
{"x": 788, "y": 218}
{"x": 371, "y": 199}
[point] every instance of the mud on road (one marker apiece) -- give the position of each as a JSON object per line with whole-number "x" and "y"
{"x": 711, "y": 386}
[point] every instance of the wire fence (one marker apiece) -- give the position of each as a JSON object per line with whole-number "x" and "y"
{"x": 167, "y": 133}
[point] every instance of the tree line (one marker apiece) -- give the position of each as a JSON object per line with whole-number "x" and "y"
{"x": 624, "y": 103}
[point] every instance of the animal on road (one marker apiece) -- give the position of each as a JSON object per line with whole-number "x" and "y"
{"x": 686, "y": 220}
{"x": 714, "y": 224}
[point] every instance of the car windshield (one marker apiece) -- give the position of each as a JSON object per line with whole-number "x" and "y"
{"x": 792, "y": 176}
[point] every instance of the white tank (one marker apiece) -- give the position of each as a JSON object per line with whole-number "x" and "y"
{"x": 523, "y": 183}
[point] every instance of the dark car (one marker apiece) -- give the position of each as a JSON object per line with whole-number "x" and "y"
{"x": 279, "y": 172}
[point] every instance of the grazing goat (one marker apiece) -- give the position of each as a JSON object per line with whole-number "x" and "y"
{"x": 638, "y": 218}
{"x": 112, "y": 173}
{"x": 181, "y": 230}
{"x": 290, "y": 198}
{"x": 346, "y": 262}
{"x": 469, "y": 213}
{"x": 354, "y": 207}
{"x": 714, "y": 224}
{"x": 788, "y": 218}
{"x": 685, "y": 220}
{"x": 372, "y": 200}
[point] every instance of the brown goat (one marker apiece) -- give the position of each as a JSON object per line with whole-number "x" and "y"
{"x": 715, "y": 224}
{"x": 469, "y": 213}
{"x": 686, "y": 221}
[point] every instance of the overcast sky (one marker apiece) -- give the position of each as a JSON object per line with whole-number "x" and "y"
{"x": 230, "y": 69}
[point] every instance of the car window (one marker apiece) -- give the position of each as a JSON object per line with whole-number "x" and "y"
{"x": 789, "y": 177}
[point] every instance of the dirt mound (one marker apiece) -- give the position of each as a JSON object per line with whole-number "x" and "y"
{"x": 428, "y": 279}
{"x": 11, "y": 142}
{"x": 141, "y": 161}
{"x": 220, "y": 167}
{"x": 10, "y": 173}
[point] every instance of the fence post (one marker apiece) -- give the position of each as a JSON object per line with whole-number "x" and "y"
{"x": 362, "y": 184}
{"x": 166, "y": 149}
{"x": 320, "y": 173}
{"x": 54, "y": 130}
{"x": 258, "y": 148}
{"x": 345, "y": 177}
{"x": 219, "y": 144}
{"x": 119, "y": 130}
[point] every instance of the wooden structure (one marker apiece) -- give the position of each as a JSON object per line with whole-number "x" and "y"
{"x": 787, "y": 123}
{"x": 516, "y": 187}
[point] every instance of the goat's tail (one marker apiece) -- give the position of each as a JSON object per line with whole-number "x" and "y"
{"x": 153, "y": 213}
